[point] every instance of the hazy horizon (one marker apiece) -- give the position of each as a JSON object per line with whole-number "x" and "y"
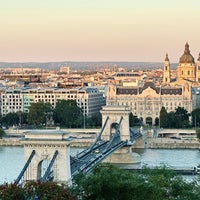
{"x": 98, "y": 31}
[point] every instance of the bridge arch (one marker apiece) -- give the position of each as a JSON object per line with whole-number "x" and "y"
{"x": 116, "y": 115}
{"x": 42, "y": 167}
{"x": 113, "y": 128}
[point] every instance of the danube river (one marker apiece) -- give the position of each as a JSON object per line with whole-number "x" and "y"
{"x": 11, "y": 159}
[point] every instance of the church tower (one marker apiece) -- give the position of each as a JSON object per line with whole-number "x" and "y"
{"x": 186, "y": 70}
{"x": 166, "y": 72}
{"x": 198, "y": 70}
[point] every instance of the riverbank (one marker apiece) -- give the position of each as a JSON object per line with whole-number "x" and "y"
{"x": 81, "y": 143}
{"x": 169, "y": 143}
{"x": 151, "y": 143}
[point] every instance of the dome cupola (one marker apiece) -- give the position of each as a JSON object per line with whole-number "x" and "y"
{"x": 186, "y": 57}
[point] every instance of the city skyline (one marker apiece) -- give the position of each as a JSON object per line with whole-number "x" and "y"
{"x": 84, "y": 30}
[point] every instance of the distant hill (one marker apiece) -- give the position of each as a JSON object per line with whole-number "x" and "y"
{"x": 87, "y": 65}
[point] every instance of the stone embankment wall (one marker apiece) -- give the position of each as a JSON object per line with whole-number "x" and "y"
{"x": 168, "y": 143}
{"x": 16, "y": 142}
{"x": 10, "y": 142}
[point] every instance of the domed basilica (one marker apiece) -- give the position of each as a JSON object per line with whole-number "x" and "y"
{"x": 187, "y": 70}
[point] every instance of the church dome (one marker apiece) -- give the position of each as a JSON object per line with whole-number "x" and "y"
{"x": 186, "y": 57}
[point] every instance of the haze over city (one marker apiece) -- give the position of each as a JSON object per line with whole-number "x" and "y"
{"x": 84, "y": 30}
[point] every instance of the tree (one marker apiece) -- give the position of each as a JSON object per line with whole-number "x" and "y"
{"x": 171, "y": 120}
{"x": 163, "y": 117}
{"x": 10, "y": 119}
{"x": 68, "y": 114}
{"x": 111, "y": 183}
{"x": 2, "y": 133}
{"x": 23, "y": 117}
{"x": 195, "y": 117}
{"x": 95, "y": 120}
{"x": 38, "y": 113}
{"x": 181, "y": 118}
{"x": 133, "y": 120}
{"x": 11, "y": 192}
{"x": 47, "y": 190}
{"x": 198, "y": 133}
{"x": 35, "y": 190}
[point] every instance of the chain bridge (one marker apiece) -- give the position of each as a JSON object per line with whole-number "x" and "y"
{"x": 47, "y": 155}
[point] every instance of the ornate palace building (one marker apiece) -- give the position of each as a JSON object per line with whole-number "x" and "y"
{"x": 146, "y": 101}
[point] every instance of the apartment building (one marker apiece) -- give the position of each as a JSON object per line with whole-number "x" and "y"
{"x": 90, "y": 100}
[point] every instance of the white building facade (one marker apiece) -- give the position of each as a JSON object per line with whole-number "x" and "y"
{"x": 90, "y": 100}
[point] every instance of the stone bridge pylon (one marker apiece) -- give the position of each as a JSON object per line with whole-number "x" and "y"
{"x": 117, "y": 116}
{"x": 46, "y": 149}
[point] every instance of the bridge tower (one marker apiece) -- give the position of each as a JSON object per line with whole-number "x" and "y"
{"x": 47, "y": 145}
{"x": 117, "y": 115}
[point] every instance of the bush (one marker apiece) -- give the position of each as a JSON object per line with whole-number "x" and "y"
{"x": 2, "y": 132}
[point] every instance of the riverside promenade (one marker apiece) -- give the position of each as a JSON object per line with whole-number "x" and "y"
{"x": 84, "y": 137}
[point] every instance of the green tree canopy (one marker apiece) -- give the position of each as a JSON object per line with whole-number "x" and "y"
{"x": 68, "y": 114}
{"x": 181, "y": 118}
{"x": 133, "y": 120}
{"x": 10, "y": 119}
{"x": 95, "y": 120}
{"x": 2, "y": 133}
{"x": 35, "y": 190}
{"x": 111, "y": 183}
{"x": 38, "y": 113}
{"x": 196, "y": 117}
{"x": 163, "y": 117}
{"x": 170, "y": 120}
{"x": 177, "y": 119}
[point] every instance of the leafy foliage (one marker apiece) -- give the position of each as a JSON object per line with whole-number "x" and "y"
{"x": 163, "y": 118}
{"x": 177, "y": 119}
{"x": 38, "y": 113}
{"x": 133, "y": 120}
{"x": 198, "y": 133}
{"x": 2, "y": 132}
{"x": 94, "y": 121}
{"x": 11, "y": 192}
{"x": 47, "y": 190}
{"x": 110, "y": 183}
{"x": 196, "y": 117}
{"x": 10, "y": 119}
{"x": 68, "y": 114}
{"x": 181, "y": 118}
{"x": 107, "y": 182}
{"x": 35, "y": 190}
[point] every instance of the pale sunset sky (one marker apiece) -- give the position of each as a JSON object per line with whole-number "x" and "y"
{"x": 98, "y": 30}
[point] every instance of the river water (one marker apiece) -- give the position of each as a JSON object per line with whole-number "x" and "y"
{"x": 11, "y": 159}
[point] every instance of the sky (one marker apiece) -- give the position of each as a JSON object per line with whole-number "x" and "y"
{"x": 98, "y": 30}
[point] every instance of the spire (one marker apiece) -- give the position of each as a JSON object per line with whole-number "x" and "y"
{"x": 187, "y": 50}
{"x": 166, "y": 58}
